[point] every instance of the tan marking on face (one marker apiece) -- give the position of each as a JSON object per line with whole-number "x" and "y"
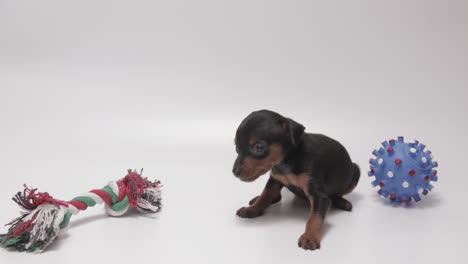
{"x": 252, "y": 141}
{"x": 253, "y": 168}
{"x": 299, "y": 180}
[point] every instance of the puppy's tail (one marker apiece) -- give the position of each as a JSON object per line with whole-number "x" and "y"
{"x": 355, "y": 179}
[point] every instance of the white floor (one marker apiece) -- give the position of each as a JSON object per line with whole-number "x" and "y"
{"x": 91, "y": 89}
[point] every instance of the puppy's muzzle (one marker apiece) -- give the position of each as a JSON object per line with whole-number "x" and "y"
{"x": 237, "y": 169}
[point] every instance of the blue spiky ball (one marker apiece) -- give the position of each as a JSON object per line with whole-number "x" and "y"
{"x": 403, "y": 171}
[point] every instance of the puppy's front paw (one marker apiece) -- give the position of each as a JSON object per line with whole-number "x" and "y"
{"x": 309, "y": 241}
{"x": 248, "y": 212}
{"x": 275, "y": 200}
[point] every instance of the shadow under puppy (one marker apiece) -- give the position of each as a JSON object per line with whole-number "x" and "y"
{"x": 312, "y": 166}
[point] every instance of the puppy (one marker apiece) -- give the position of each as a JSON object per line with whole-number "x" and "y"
{"x": 312, "y": 166}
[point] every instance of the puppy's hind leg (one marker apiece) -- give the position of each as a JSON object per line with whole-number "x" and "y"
{"x": 337, "y": 200}
{"x": 271, "y": 194}
{"x": 341, "y": 203}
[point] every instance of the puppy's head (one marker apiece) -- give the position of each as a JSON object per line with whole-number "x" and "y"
{"x": 262, "y": 140}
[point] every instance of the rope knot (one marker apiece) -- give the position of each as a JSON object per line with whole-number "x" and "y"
{"x": 134, "y": 191}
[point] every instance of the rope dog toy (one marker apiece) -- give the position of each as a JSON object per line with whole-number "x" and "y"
{"x": 45, "y": 216}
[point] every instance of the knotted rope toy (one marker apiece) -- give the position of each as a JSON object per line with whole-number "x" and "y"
{"x": 45, "y": 216}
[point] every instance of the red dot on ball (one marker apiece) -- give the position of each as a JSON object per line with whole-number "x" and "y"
{"x": 412, "y": 172}
{"x": 435, "y": 172}
{"x": 372, "y": 171}
{"x": 405, "y": 201}
{"x": 381, "y": 184}
{"x": 389, "y": 149}
{"x": 426, "y": 178}
{"x": 398, "y": 161}
{"x": 392, "y": 195}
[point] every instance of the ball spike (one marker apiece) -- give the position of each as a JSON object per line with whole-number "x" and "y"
{"x": 381, "y": 151}
{"x": 405, "y": 199}
{"x": 385, "y": 144}
{"x": 376, "y": 153}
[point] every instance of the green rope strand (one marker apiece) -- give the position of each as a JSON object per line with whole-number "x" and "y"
{"x": 116, "y": 205}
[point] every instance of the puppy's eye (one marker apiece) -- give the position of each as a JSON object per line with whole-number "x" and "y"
{"x": 258, "y": 148}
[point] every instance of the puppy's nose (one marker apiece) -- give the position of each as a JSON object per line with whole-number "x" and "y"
{"x": 236, "y": 171}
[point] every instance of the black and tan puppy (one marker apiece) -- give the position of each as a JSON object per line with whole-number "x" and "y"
{"x": 312, "y": 166}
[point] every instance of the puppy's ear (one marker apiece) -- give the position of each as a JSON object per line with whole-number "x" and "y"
{"x": 293, "y": 130}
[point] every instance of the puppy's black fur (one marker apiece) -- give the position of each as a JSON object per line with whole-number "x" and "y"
{"x": 312, "y": 166}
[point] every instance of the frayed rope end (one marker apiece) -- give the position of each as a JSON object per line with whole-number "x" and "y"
{"x": 35, "y": 229}
{"x": 142, "y": 193}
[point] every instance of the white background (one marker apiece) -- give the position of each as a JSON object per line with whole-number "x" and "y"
{"x": 91, "y": 88}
